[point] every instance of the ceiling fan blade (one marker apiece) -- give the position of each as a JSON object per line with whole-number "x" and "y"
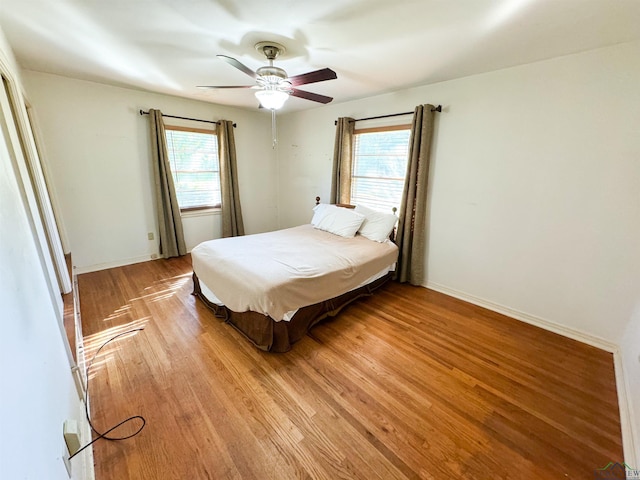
{"x": 226, "y": 86}
{"x": 314, "y": 97}
{"x": 313, "y": 77}
{"x": 238, "y": 65}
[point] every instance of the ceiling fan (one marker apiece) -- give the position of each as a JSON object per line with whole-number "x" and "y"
{"x": 273, "y": 84}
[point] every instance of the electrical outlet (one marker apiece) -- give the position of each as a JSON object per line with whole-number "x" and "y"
{"x": 71, "y": 436}
{"x": 150, "y": 235}
{"x": 154, "y": 256}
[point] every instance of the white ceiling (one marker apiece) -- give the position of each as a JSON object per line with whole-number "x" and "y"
{"x": 375, "y": 46}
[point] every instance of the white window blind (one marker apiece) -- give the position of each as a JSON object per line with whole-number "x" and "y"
{"x": 193, "y": 155}
{"x": 379, "y": 168}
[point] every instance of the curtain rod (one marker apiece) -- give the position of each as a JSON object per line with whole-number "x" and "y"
{"x": 185, "y": 118}
{"x": 434, "y": 109}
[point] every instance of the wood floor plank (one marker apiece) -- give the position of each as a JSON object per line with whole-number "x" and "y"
{"x": 406, "y": 384}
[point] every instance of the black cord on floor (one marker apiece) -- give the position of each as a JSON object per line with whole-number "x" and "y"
{"x": 86, "y": 403}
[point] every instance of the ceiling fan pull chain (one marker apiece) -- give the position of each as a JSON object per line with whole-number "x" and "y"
{"x": 274, "y": 133}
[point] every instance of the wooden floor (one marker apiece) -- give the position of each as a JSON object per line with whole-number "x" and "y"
{"x": 408, "y": 383}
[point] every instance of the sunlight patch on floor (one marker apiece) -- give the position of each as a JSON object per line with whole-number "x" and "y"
{"x": 93, "y": 342}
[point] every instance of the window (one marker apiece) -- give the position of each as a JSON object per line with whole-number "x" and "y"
{"x": 380, "y": 166}
{"x": 193, "y": 155}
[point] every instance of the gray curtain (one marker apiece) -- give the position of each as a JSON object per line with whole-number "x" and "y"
{"x": 342, "y": 159}
{"x": 411, "y": 232}
{"x": 232, "y": 225}
{"x": 168, "y": 211}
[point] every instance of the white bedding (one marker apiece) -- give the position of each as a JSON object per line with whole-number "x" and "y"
{"x": 211, "y": 297}
{"x": 278, "y": 272}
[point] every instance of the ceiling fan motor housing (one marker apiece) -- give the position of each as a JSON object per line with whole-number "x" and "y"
{"x": 273, "y": 78}
{"x": 271, "y": 74}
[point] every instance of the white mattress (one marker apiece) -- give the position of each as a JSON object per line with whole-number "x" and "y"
{"x": 277, "y": 273}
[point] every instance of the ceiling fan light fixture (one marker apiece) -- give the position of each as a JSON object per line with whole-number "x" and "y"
{"x": 272, "y": 99}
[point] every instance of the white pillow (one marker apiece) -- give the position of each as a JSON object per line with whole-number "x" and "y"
{"x": 377, "y": 226}
{"x": 339, "y": 221}
{"x": 318, "y": 213}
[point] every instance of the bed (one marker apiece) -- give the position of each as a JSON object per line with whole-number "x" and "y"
{"x": 273, "y": 287}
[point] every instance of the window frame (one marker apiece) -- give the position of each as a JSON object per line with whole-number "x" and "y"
{"x": 212, "y": 131}
{"x": 378, "y": 129}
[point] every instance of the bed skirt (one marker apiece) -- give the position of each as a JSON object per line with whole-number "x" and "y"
{"x": 271, "y": 336}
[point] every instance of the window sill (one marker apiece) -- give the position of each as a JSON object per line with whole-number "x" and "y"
{"x": 201, "y": 212}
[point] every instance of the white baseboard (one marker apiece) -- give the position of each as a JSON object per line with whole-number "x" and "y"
{"x": 82, "y": 465}
{"x": 629, "y": 422}
{"x": 119, "y": 263}
{"x": 563, "y": 330}
{"x": 630, "y": 425}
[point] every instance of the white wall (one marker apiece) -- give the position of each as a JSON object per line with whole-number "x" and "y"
{"x": 97, "y": 148}
{"x": 38, "y": 391}
{"x": 535, "y": 184}
{"x": 630, "y": 358}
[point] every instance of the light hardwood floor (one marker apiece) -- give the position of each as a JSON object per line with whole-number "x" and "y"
{"x": 408, "y": 383}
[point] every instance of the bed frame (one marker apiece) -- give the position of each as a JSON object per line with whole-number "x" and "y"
{"x": 272, "y": 336}
{"x": 278, "y": 336}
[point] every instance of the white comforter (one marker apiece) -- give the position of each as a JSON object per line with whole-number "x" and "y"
{"x": 277, "y": 272}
